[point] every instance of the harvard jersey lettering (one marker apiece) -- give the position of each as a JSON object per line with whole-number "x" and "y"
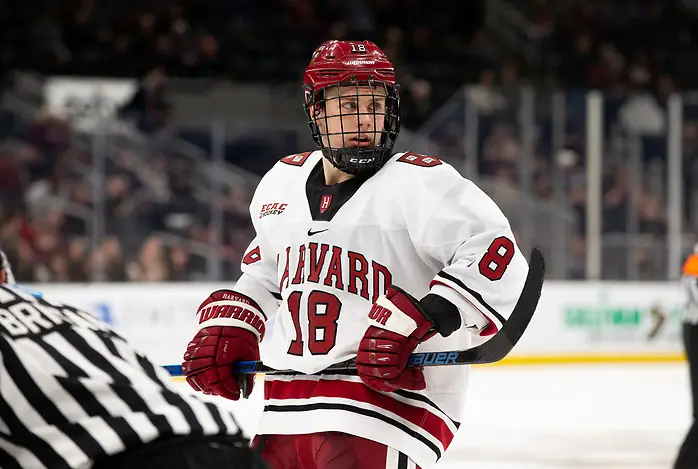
{"x": 416, "y": 224}
{"x": 343, "y": 270}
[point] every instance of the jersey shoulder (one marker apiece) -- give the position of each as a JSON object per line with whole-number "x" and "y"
{"x": 289, "y": 167}
{"x": 297, "y": 159}
{"x": 425, "y": 182}
{"x": 417, "y": 159}
{"x": 421, "y": 167}
{"x": 418, "y": 173}
{"x": 295, "y": 163}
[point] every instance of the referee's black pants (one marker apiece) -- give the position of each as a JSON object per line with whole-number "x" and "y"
{"x": 188, "y": 452}
{"x": 688, "y": 454}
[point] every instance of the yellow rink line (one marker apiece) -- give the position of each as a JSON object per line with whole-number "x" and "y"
{"x": 591, "y": 359}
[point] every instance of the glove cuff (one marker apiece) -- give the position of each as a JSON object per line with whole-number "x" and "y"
{"x": 398, "y": 312}
{"x": 227, "y": 308}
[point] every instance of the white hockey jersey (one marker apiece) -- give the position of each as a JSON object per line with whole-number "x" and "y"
{"x": 321, "y": 257}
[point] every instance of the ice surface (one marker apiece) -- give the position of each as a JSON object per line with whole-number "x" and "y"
{"x": 575, "y": 416}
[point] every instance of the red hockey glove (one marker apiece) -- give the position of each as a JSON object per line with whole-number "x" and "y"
{"x": 232, "y": 325}
{"x": 397, "y": 326}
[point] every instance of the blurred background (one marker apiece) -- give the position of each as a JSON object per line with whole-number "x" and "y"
{"x": 133, "y": 134}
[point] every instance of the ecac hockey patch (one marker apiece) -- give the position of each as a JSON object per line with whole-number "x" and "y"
{"x": 276, "y": 208}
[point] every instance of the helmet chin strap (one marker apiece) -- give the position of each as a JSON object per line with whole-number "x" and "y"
{"x": 328, "y": 155}
{"x": 339, "y": 158}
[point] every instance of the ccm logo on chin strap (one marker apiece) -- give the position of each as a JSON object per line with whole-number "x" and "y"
{"x": 361, "y": 160}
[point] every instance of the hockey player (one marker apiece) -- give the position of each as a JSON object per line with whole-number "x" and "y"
{"x": 688, "y": 454}
{"x": 75, "y": 395}
{"x": 359, "y": 252}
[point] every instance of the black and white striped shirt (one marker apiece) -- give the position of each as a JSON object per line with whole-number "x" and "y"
{"x": 73, "y": 391}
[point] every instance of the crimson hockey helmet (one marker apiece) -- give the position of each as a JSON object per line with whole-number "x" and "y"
{"x": 356, "y": 131}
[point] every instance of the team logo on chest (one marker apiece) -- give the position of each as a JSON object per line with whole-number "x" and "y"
{"x": 325, "y": 202}
{"x": 276, "y": 208}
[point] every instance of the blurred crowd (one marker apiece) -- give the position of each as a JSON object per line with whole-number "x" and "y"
{"x": 159, "y": 218}
{"x": 541, "y": 158}
{"x": 262, "y": 41}
{"x": 150, "y": 219}
{"x": 648, "y": 45}
{"x": 637, "y": 52}
{"x": 158, "y": 223}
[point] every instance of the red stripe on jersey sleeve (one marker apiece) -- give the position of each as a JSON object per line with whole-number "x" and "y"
{"x": 359, "y": 392}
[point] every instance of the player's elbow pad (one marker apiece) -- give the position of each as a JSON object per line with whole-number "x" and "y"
{"x": 443, "y": 313}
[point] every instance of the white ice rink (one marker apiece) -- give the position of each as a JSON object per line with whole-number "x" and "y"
{"x": 572, "y": 416}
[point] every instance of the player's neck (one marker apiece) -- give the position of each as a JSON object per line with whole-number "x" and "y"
{"x": 333, "y": 175}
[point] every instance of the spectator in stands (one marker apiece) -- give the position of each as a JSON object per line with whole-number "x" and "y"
{"x": 78, "y": 260}
{"x": 149, "y": 106}
{"x": 613, "y": 46}
{"x": 152, "y": 262}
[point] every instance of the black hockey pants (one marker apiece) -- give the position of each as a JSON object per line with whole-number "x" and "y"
{"x": 688, "y": 454}
{"x": 187, "y": 453}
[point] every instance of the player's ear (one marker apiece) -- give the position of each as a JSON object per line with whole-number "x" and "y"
{"x": 320, "y": 120}
{"x": 318, "y": 112}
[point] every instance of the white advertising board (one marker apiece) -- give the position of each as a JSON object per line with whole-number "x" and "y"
{"x": 574, "y": 321}
{"x": 87, "y": 100}
{"x": 158, "y": 319}
{"x": 598, "y": 321}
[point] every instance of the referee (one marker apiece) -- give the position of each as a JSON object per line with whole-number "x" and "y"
{"x": 688, "y": 454}
{"x": 75, "y": 395}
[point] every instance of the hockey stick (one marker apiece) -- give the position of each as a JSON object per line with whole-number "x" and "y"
{"x": 491, "y": 351}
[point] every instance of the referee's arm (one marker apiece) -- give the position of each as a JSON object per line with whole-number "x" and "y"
{"x": 687, "y": 458}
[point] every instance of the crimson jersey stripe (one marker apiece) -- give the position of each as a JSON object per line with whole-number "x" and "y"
{"x": 421, "y": 397}
{"x": 473, "y": 293}
{"x": 359, "y": 392}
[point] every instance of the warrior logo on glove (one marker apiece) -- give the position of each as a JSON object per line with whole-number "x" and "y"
{"x": 232, "y": 325}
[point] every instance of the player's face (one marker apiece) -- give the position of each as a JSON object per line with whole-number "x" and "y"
{"x": 353, "y": 116}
